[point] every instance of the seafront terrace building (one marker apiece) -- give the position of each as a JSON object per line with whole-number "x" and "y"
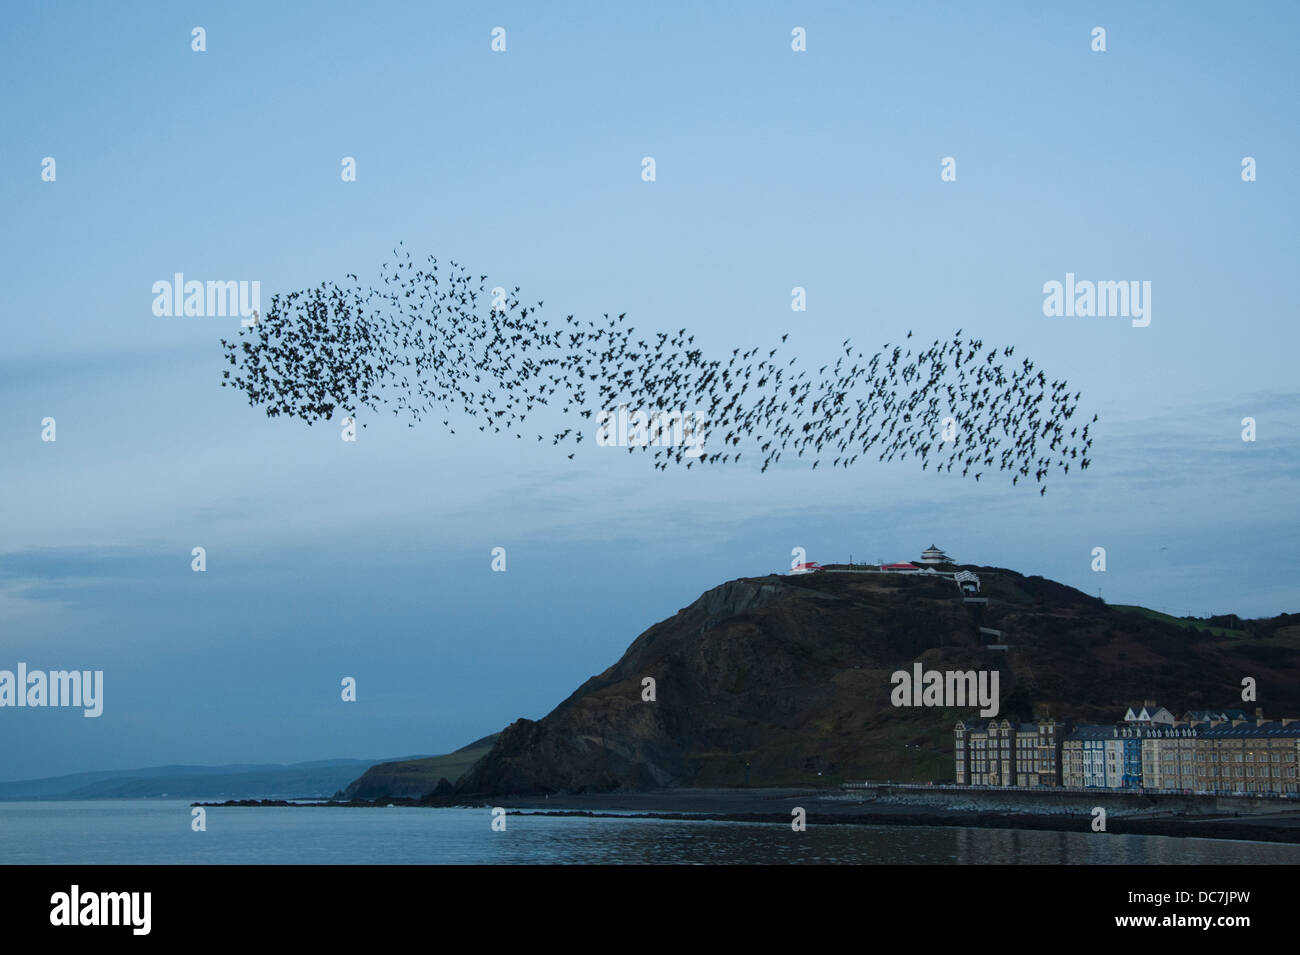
{"x": 984, "y": 752}
{"x": 1238, "y": 756}
{"x": 1038, "y": 753}
{"x": 1250, "y": 757}
{"x": 1104, "y": 757}
{"x": 1124, "y": 758}
{"x": 997, "y": 752}
{"x": 1083, "y": 757}
{"x": 1169, "y": 757}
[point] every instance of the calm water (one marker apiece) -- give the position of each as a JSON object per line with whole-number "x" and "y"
{"x": 158, "y": 831}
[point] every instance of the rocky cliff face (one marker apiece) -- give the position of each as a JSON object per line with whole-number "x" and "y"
{"x": 786, "y": 680}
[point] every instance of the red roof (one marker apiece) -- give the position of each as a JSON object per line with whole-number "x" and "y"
{"x": 899, "y": 567}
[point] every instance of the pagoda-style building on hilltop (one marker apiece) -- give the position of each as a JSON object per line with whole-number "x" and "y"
{"x": 934, "y": 555}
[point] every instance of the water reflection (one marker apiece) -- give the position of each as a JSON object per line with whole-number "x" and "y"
{"x": 158, "y": 831}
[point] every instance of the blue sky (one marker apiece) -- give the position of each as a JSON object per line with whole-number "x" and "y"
{"x": 775, "y": 169}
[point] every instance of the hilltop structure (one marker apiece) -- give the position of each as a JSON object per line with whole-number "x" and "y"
{"x": 933, "y": 555}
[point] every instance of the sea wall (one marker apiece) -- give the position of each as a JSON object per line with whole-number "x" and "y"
{"x": 1050, "y": 801}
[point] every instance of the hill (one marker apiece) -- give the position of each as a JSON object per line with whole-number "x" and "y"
{"x": 317, "y": 778}
{"x": 785, "y": 680}
{"x": 416, "y": 777}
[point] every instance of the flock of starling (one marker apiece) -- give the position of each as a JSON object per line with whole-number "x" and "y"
{"x": 431, "y": 342}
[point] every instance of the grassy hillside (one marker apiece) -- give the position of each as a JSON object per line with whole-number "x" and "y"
{"x": 417, "y": 777}
{"x": 1188, "y": 623}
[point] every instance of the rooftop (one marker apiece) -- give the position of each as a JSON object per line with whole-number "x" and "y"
{"x": 1249, "y": 728}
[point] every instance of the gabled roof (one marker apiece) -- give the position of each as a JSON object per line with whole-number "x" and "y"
{"x": 980, "y": 723}
{"x": 1148, "y": 714}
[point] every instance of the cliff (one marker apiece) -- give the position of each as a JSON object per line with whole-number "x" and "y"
{"x": 415, "y": 777}
{"x": 786, "y": 681}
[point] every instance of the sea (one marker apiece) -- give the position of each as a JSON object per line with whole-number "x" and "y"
{"x": 159, "y": 831}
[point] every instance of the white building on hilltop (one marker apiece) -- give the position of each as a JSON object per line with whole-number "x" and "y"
{"x": 934, "y": 555}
